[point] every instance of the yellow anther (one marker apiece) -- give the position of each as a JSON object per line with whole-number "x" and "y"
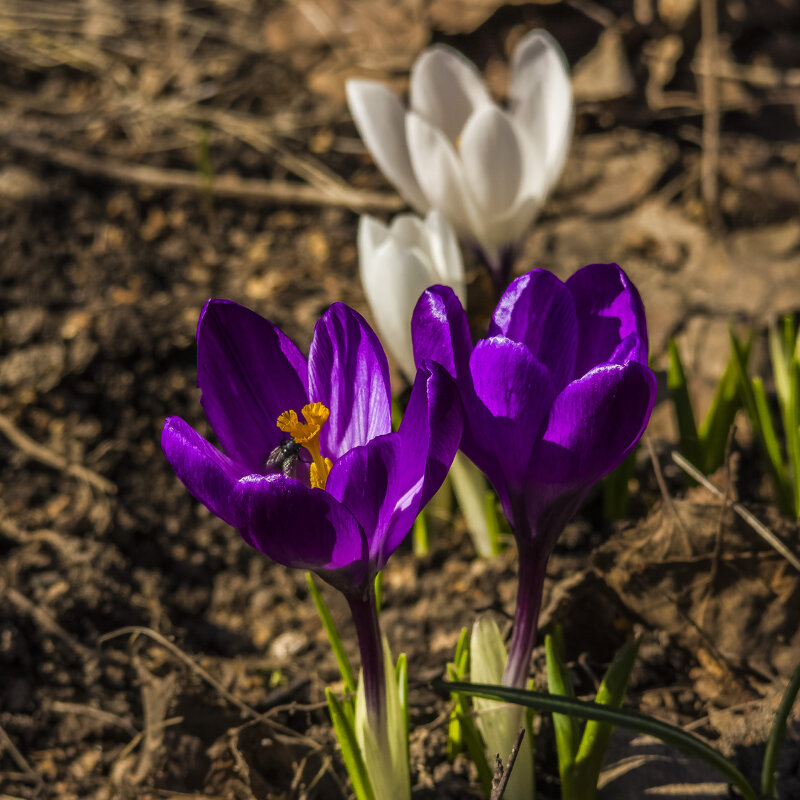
{"x": 307, "y": 434}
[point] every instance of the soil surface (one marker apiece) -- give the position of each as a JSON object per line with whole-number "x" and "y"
{"x": 155, "y": 154}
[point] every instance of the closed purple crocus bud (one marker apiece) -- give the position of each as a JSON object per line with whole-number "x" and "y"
{"x": 310, "y": 472}
{"x": 554, "y": 399}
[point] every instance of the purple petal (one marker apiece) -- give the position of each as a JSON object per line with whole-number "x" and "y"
{"x": 433, "y": 416}
{"x": 348, "y": 372}
{"x": 609, "y": 310}
{"x": 440, "y": 333}
{"x": 537, "y": 310}
{"x": 367, "y": 480}
{"x": 249, "y": 373}
{"x": 594, "y": 424}
{"x": 514, "y": 393}
{"x": 387, "y": 482}
{"x": 301, "y": 527}
{"x": 209, "y": 475}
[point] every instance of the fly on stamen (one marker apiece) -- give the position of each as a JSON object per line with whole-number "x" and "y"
{"x": 285, "y": 457}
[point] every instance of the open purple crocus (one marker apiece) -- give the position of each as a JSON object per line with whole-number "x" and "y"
{"x": 311, "y": 474}
{"x": 554, "y": 399}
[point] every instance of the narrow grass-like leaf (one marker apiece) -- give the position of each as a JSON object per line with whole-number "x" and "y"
{"x": 630, "y": 720}
{"x": 342, "y": 661}
{"x": 786, "y": 371}
{"x": 401, "y": 675}
{"x": 596, "y": 735}
{"x": 772, "y": 447}
{"x": 679, "y": 392}
{"x": 776, "y": 737}
{"x": 780, "y": 362}
{"x": 351, "y": 753}
{"x": 755, "y": 403}
{"x": 457, "y": 670}
{"x": 397, "y": 414}
{"x": 739, "y": 362}
{"x": 567, "y": 734}
{"x": 469, "y": 487}
{"x": 616, "y": 495}
{"x": 530, "y": 714}
{"x": 716, "y": 426}
{"x": 461, "y": 656}
{"x": 455, "y": 731}
{"x": 379, "y": 591}
{"x": 493, "y": 524}
{"x": 420, "y": 538}
{"x": 791, "y": 427}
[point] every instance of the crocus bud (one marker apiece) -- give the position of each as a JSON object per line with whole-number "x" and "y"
{"x": 398, "y": 262}
{"x": 383, "y": 741}
{"x": 498, "y": 722}
{"x": 487, "y": 169}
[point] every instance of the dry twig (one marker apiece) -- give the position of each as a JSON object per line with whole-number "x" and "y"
{"x": 662, "y": 485}
{"x": 762, "y": 530}
{"x": 50, "y": 458}
{"x": 502, "y": 776}
{"x": 279, "y": 192}
{"x": 7, "y": 744}
{"x": 138, "y": 630}
{"x": 45, "y": 621}
{"x": 106, "y": 717}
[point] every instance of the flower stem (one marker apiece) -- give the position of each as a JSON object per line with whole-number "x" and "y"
{"x": 532, "y": 565}
{"x": 499, "y": 269}
{"x": 365, "y": 616}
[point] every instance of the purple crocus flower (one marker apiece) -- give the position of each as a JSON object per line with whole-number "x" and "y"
{"x": 311, "y": 474}
{"x": 554, "y": 399}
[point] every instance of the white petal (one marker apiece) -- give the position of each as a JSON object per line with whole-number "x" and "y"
{"x": 408, "y": 230}
{"x": 393, "y": 279}
{"x": 446, "y": 254}
{"x": 446, "y": 89}
{"x": 371, "y": 234}
{"x": 380, "y": 119}
{"x": 491, "y": 152}
{"x": 440, "y": 174}
{"x": 541, "y": 101}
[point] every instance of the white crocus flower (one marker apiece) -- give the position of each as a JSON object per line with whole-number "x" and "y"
{"x": 487, "y": 169}
{"x": 397, "y": 263}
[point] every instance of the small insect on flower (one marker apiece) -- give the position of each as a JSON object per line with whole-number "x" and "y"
{"x": 285, "y": 457}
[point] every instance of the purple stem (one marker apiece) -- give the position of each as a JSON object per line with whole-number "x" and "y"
{"x": 499, "y": 271}
{"x": 532, "y": 565}
{"x": 368, "y": 632}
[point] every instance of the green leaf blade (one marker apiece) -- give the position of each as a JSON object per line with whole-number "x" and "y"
{"x": 567, "y": 734}
{"x": 679, "y": 392}
{"x": 351, "y": 752}
{"x": 776, "y": 735}
{"x": 596, "y": 735}
{"x": 335, "y": 640}
{"x": 630, "y": 720}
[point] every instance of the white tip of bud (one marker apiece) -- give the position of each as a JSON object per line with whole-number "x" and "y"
{"x": 499, "y": 722}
